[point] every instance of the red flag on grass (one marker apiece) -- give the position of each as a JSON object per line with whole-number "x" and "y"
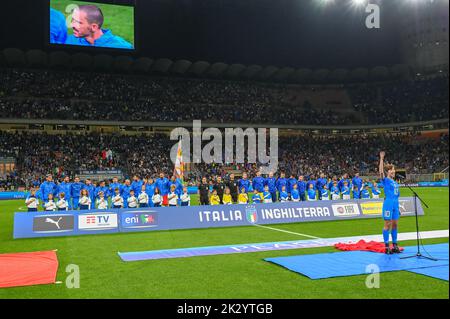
{"x": 364, "y": 245}
{"x": 26, "y": 269}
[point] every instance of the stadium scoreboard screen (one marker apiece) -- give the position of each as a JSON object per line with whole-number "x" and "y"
{"x": 91, "y": 24}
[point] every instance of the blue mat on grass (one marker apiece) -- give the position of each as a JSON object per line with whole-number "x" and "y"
{"x": 319, "y": 266}
{"x": 440, "y": 272}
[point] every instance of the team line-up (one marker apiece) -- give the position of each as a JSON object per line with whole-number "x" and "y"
{"x": 163, "y": 191}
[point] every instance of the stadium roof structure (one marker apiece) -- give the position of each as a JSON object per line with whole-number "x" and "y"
{"x": 14, "y": 57}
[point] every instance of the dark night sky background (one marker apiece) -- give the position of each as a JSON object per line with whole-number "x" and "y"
{"x": 297, "y": 33}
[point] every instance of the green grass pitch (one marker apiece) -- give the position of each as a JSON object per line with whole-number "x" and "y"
{"x": 119, "y": 19}
{"x": 104, "y": 275}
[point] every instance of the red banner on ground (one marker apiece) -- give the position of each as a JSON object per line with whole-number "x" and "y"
{"x": 26, "y": 269}
{"x": 364, "y": 245}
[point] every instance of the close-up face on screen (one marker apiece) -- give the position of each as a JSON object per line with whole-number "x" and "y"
{"x": 91, "y": 24}
{"x": 224, "y": 158}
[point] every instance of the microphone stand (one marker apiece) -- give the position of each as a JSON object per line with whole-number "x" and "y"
{"x": 418, "y": 254}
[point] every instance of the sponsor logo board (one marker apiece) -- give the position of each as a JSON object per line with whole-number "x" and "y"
{"x": 53, "y": 223}
{"x": 371, "y": 208}
{"x": 138, "y": 219}
{"x": 101, "y": 221}
{"x": 345, "y": 210}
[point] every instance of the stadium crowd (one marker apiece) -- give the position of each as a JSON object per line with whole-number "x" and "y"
{"x": 403, "y": 102}
{"x": 34, "y": 94}
{"x": 38, "y": 154}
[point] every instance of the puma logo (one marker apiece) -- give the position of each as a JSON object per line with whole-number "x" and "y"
{"x": 402, "y": 207}
{"x": 51, "y": 221}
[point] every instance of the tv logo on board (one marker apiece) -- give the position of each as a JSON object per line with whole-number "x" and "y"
{"x": 345, "y": 210}
{"x": 53, "y": 223}
{"x": 139, "y": 220}
{"x": 252, "y": 214}
{"x": 97, "y": 221}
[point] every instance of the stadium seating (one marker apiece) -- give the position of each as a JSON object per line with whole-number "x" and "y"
{"x": 147, "y": 155}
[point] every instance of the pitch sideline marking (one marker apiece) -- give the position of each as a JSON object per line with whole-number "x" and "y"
{"x": 259, "y": 247}
{"x": 286, "y": 231}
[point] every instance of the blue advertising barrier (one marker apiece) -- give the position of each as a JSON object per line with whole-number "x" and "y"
{"x": 68, "y": 223}
{"x": 13, "y": 195}
{"x": 65, "y": 223}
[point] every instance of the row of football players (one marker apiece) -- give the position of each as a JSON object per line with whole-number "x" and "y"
{"x": 85, "y": 202}
{"x": 143, "y": 200}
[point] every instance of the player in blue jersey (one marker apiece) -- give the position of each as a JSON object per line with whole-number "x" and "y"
{"x": 136, "y": 185}
{"x": 178, "y": 187}
{"x": 46, "y": 188}
{"x": 281, "y": 182}
{"x": 58, "y": 28}
{"x": 342, "y": 182}
{"x": 87, "y": 21}
{"x": 125, "y": 192}
{"x": 365, "y": 194}
{"x": 331, "y": 182}
{"x": 101, "y": 188}
{"x": 64, "y": 187}
{"x": 112, "y": 187}
{"x": 75, "y": 192}
{"x": 391, "y": 207}
{"x": 290, "y": 183}
{"x": 321, "y": 181}
{"x": 357, "y": 181}
{"x": 90, "y": 189}
{"x": 356, "y": 192}
{"x": 244, "y": 183}
{"x": 301, "y": 185}
{"x": 149, "y": 190}
{"x": 271, "y": 182}
{"x": 162, "y": 183}
{"x": 258, "y": 182}
{"x": 311, "y": 181}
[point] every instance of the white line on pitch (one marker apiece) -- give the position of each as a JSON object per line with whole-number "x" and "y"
{"x": 286, "y": 231}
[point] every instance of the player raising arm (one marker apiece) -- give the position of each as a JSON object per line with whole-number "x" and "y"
{"x": 391, "y": 211}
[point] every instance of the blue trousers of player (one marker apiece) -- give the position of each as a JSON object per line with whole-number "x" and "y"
{"x": 274, "y": 196}
{"x": 32, "y": 210}
{"x": 143, "y": 205}
{"x": 184, "y": 203}
{"x": 302, "y": 197}
{"x": 75, "y": 201}
{"x": 84, "y": 207}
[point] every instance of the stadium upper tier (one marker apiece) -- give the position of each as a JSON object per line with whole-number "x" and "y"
{"x": 141, "y": 91}
{"x": 39, "y": 94}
